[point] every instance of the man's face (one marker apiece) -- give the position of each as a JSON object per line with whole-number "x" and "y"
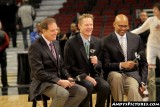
{"x": 86, "y": 27}
{"x": 38, "y": 27}
{"x": 121, "y": 27}
{"x": 50, "y": 33}
{"x": 143, "y": 16}
{"x": 73, "y": 27}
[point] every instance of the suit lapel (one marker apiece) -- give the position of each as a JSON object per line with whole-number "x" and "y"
{"x": 82, "y": 49}
{"x": 129, "y": 44}
{"x": 58, "y": 56}
{"x": 47, "y": 50}
{"x": 116, "y": 43}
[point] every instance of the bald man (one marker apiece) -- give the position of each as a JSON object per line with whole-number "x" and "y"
{"x": 124, "y": 74}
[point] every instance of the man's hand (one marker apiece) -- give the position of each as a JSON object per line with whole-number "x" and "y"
{"x": 71, "y": 80}
{"x": 128, "y": 65}
{"x": 142, "y": 88}
{"x": 65, "y": 83}
{"x": 91, "y": 80}
{"x": 94, "y": 60}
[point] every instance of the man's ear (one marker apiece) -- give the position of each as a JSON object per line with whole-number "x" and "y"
{"x": 43, "y": 31}
{"x": 79, "y": 25}
{"x": 114, "y": 24}
{"x": 128, "y": 27}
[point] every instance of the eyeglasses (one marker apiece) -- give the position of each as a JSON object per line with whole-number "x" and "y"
{"x": 123, "y": 26}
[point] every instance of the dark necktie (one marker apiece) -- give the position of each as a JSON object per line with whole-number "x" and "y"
{"x": 53, "y": 50}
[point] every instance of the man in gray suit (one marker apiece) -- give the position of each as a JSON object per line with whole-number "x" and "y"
{"x": 47, "y": 70}
{"x": 118, "y": 53}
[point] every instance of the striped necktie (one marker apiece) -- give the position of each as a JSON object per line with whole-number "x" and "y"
{"x": 53, "y": 50}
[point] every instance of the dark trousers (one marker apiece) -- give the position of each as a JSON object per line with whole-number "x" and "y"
{"x": 10, "y": 28}
{"x": 3, "y": 62}
{"x": 102, "y": 89}
{"x": 14, "y": 38}
{"x": 24, "y": 33}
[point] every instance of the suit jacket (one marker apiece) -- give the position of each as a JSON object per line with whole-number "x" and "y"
{"x": 75, "y": 57}
{"x": 45, "y": 69}
{"x": 112, "y": 55}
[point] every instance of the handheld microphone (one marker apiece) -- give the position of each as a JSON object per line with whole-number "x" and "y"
{"x": 92, "y": 53}
{"x": 92, "y": 49}
{"x": 138, "y": 56}
{"x": 79, "y": 78}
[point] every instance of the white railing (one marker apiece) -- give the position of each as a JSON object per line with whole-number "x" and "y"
{"x": 149, "y": 12}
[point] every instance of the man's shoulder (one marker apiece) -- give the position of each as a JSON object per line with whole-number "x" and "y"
{"x": 73, "y": 39}
{"x": 56, "y": 42}
{"x": 37, "y": 46}
{"x": 95, "y": 38}
{"x": 133, "y": 35}
{"x": 108, "y": 37}
{"x": 39, "y": 41}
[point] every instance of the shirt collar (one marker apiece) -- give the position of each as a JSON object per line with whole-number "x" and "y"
{"x": 120, "y": 37}
{"x": 47, "y": 41}
{"x": 85, "y": 40}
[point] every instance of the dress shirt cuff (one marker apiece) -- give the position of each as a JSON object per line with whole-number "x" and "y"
{"x": 55, "y": 80}
{"x": 120, "y": 67}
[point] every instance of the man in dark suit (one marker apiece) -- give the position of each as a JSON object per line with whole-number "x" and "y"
{"x": 47, "y": 69}
{"x": 79, "y": 62}
{"x": 118, "y": 53}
